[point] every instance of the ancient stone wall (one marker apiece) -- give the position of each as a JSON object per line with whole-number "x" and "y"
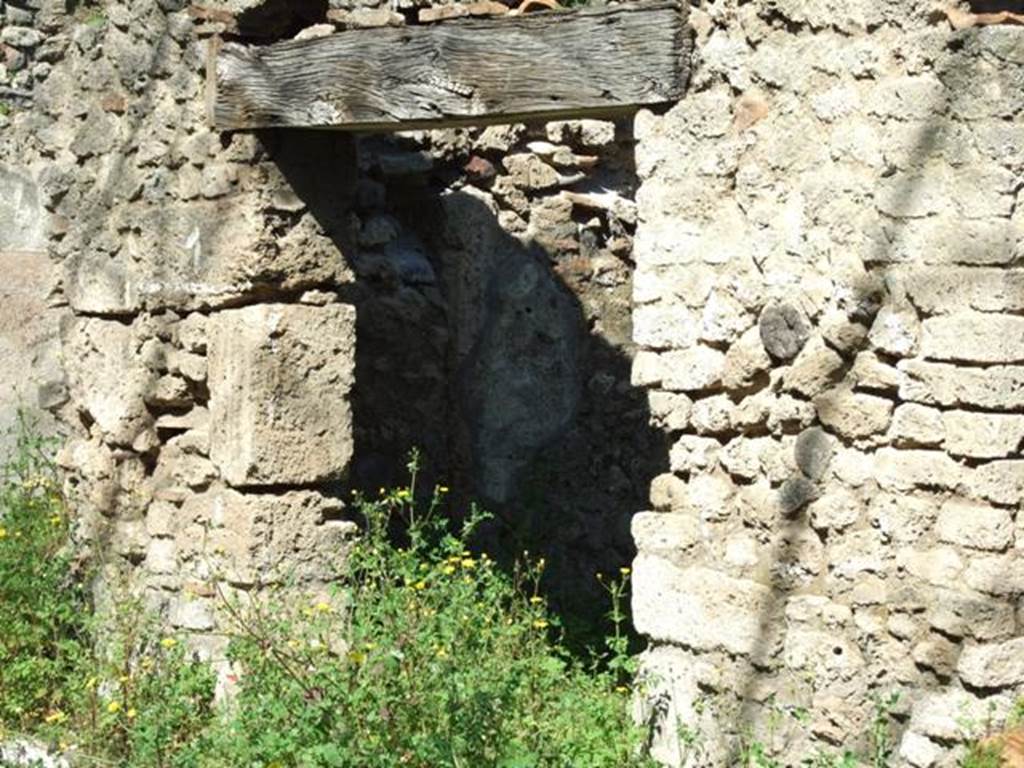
{"x": 254, "y": 325}
{"x": 828, "y": 298}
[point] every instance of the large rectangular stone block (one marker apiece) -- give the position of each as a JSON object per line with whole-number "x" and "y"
{"x": 263, "y": 538}
{"x": 974, "y": 337}
{"x": 699, "y": 608}
{"x": 279, "y": 377}
{"x": 999, "y": 387}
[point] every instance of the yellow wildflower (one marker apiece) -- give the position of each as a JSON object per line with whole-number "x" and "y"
{"x": 540, "y": 623}
{"x": 442, "y": 653}
{"x": 624, "y": 571}
{"x": 114, "y": 707}
{"x": 168, "y": 642}
{"x": 536, "y": 600}
{"x": 146, "y": 663}
{"x": 3, "y": 532}
{"x": 131, "y": 713}
{"x": 468, "y": 562}
{"x": 91, "y": 683}
{"x": 55, "y": 520}
{"x": 55, "y": 717}
{"x": 356, "y": 657}
{"x": 323, "y": 607}
{"x": 420, "y": 585}
{"x": 369, "y": 646}
{"x": 442, "y": 489}
{"x": 621, "y": 689}
{"x": 448, "y": 570}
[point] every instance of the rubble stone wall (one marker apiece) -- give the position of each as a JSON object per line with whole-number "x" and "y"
{"x": 810, "y": 355}
{"x": 828, "y": 302}
{"x": 254, "y": 325}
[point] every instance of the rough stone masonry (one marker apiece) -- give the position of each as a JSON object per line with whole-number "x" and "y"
{"x": 827, "y": 324}
{"x": 828, "y": 297}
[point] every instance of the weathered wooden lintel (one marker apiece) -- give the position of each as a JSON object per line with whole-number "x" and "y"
{"x": 601, "y": 62}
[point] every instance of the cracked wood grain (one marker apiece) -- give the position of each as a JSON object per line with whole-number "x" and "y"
{"x": 587, "y": 63}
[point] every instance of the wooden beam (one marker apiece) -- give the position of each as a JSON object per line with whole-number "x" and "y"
{"x": 561, "y": 64}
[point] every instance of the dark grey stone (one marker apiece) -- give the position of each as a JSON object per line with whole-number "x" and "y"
{"x": 784, "y": 331}
{"x": 813, "y": 452}
{"x": 796, "y": 493}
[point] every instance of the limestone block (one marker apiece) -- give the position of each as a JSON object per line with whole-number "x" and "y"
{"x": 661, "y": 326}
{"x": 665, "y": 535}
{"x": 974, "y": 337}
{"x": 712, "y": 415}
{"x": 787, "y": 413}
{"x": 814, "y": 369}
{"x": 983, "y": 435}
{"x": 960, "y": 613}
{"x": 852, "y": 414}
{"x": 691, "y": 452}
{"x": 936, "y": 653}
{"x": 907, "y": 97}
{"x": 202, "y": 254}
{"x": 994, "y": 665}
{"x": 160, "y": 518}
{"x": 941, "y": 566}
{"x": 998, "y": 481}
{"x": 858, "y": 554}
{"x": 724, "y": 318}
{"x": 896, "y": 331}
{"x": 670, "y": 410}
{"x": 841, "y": 333}
{"x": 905, "y": 470}
{"x": 709, "y": 495}
{"x": 194, "y": 614}
{"x": 530, "y": 172}
{"x": 1001, "y": 575}
{"x": 279, "y": 378}
{"x": 745, "y": 359}
{"x": 949, "y": 239}
{"x": 692, "y": 370}
{"x": 107, "y": 379}
{"x": 647, "y": 370}
{"x": 23, "y": 220}
{"x": 950, "y": 715}
{"x": 917, "y": 425}
{"x": 826, "y": 655}
{"x": 668, "y": 492}
{"x": 953, "y": 289}
{"x": 263, "y": 538}
{"x": 902, "y": 518}
{"x": 919, "y": 751}
{"x": 750, "y": 457}
{"x": 674, "y": 704}
{"x": 835, "y": 511}
{"x": 698, "y": 607}
{"x": 993, "y": 387}
{"x": 870, "y": 373}
{"x": 161, "y": 556}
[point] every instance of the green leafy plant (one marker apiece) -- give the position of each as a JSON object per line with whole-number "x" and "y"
{"x": 428, "y": 654}
{"x": 983, "y": 755}
{"x": 43, "y": 625}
